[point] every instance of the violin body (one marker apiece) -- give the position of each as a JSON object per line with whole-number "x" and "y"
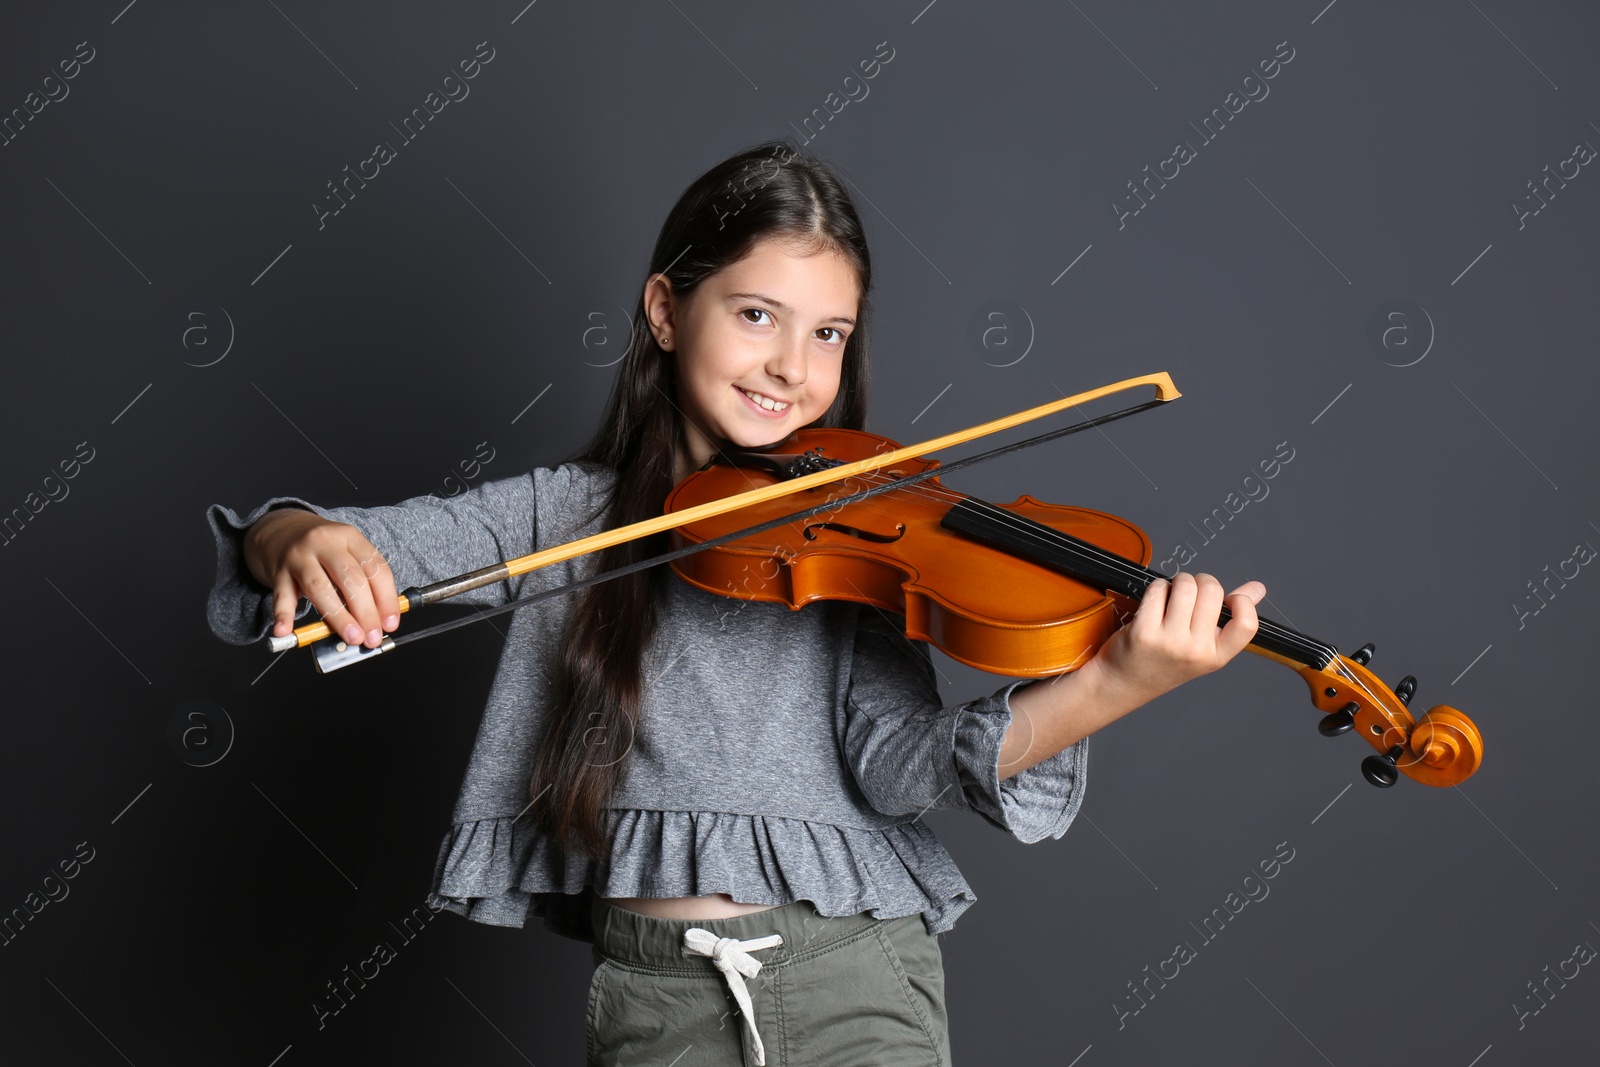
{"x": 984, "y": 607}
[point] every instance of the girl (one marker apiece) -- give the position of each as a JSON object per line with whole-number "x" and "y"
{"x": 715, "y": 790}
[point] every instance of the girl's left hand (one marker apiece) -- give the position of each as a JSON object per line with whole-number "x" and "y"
{"x": 1174, "y": 635}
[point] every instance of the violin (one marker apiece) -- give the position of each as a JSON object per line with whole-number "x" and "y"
{"x": 1026, "y": 589}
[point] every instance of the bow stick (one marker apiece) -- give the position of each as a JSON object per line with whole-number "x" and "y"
{"x": 342, "y": 654}
{"x": 499, "y": 572}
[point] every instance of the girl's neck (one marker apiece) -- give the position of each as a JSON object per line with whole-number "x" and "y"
{"x": 691, "y": 453}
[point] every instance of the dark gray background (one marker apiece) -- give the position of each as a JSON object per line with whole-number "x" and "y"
{"x": 376, "y": 353}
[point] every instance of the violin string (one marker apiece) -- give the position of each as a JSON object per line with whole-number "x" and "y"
{"x": 1327, "y": 654}
{"x": 941, "y": 495}
{"x": 1350, "y": 675}
{"x": 1123, "y": 566}
{"x": 1119, "y": 563}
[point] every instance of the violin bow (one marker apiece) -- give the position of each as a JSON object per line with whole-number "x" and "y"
{"x": 342, "y": 653}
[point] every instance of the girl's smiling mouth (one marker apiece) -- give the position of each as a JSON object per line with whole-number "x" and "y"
{"x": 767, "y": 405}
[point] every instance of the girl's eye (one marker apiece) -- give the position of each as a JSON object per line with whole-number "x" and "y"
{"x": 837, "y": 338}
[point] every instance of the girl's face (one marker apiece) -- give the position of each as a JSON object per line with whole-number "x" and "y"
{"x": 759, "y": 345}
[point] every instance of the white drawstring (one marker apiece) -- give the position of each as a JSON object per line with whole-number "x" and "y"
{"x": 732, "y": 958}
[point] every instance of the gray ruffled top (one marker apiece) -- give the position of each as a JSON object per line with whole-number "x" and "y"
{"x": 780, "y": 755}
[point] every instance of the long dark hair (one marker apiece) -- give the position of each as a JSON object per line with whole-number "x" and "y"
{"x": 769, "y": 191}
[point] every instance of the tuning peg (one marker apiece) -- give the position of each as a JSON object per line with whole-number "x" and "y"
{"x": 1363, "y": 655}
{"x": 1381, "y": 770}
{"x": 1406, "y": 689}
{"x": 1337, "y": 723}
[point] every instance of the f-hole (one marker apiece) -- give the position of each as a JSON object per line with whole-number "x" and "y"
{"x": 856, "y": 531}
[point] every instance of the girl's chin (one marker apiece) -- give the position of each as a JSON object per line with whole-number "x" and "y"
{"x": 755, "y": 440}
{"x": 750, "y": 430}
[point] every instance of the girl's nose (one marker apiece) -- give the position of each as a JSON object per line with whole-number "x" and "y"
{"x": 789, "y": 361}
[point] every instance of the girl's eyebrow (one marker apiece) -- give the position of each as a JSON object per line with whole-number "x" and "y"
{"x": 785, "y": 308}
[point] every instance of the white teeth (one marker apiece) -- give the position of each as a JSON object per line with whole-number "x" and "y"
{"x": 765, "y": 401}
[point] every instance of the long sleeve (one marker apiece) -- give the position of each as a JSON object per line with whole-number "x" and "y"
{"x": 424, "y": 539}
{"x": 912, "y": 754}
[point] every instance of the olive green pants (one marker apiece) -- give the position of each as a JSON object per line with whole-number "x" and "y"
{"x": 849, "y": 991}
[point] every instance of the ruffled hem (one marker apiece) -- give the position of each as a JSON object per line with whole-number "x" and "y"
{"x": 497, "y": 871}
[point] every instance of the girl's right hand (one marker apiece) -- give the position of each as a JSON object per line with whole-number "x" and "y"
{"x": 296, "y": 553}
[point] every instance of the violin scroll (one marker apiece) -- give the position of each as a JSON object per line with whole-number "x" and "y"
{"x": 1447, "y": 747}
{"x": 1442, "y": 747}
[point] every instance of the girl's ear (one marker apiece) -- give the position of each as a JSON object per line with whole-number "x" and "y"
{"x": 660, "y": 306}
